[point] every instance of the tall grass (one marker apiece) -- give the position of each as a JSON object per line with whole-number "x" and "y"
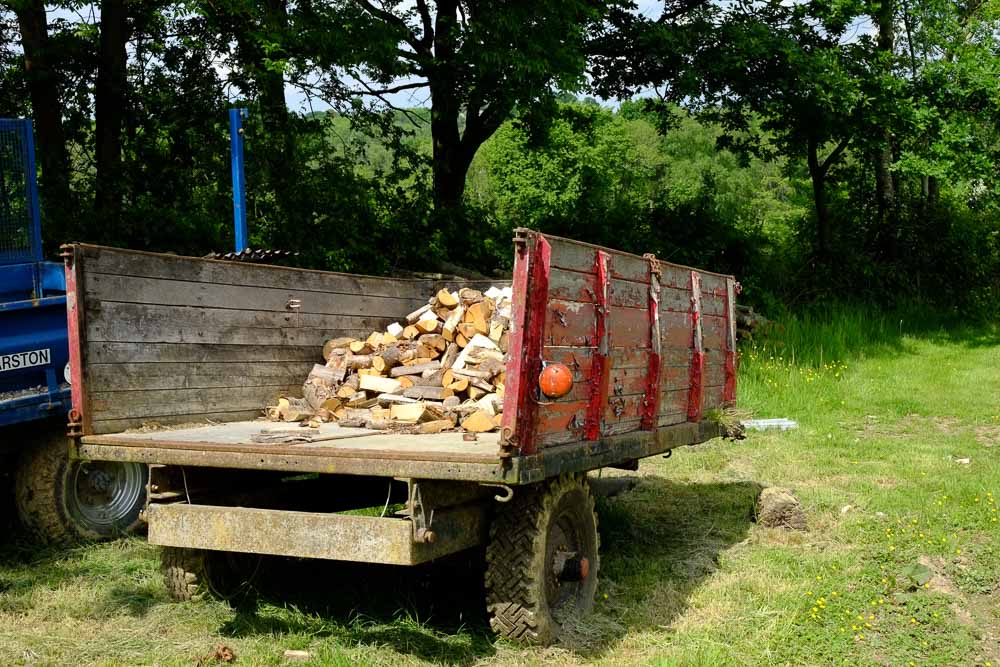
{"x": 839, "y": 332}
{"x": 796, "y": 366}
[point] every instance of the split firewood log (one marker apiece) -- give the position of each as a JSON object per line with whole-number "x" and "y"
{"x": 381, "y": 385}
{"x": 415, "y": 369}
{"x": 451, "y": 324}
{"x": 446, "y": 298}
{"x": 415, "y": 315}
{"x": 329, "y": 346}
{"x": 479, "y": 422}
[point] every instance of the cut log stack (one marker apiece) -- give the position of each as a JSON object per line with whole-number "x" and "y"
{"x": 442, "y": 368}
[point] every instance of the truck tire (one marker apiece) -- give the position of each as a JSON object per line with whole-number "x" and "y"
{"x": 60, "y": 500}
{"x": 193, "y": 574}
{"x": 542, "y": 561}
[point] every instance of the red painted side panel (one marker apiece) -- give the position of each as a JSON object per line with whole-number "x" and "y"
{"x": 600, "y": 368}
{"x": 531, "y": 293}
{"x": 695, "y": 394}
{"x": 74, "y": 321}
{"x": 646, "y": 342}
{"x": 651, "y": 399}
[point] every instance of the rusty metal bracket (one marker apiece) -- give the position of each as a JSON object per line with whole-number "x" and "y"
{"x": 74, "y": 426}
{"x": 422, "y": 521}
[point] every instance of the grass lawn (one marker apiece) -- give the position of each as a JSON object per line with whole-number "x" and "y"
{"x": 896, "y": 461}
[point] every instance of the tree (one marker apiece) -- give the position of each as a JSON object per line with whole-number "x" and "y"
{"x": 43, "y": 92}
{"x": 478, "y": 61}
{"x": 109, "y": 108}
{"x": 785, "y": 65}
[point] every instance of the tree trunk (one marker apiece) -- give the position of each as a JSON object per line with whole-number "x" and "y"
{"x": 272, "y": 82}
{"x": 817, "y": 172}
{"x": 448, "y": 162}
{"x": 885, "y": 187}
{"x": 46, "y": 109}
{"x": 109, "y": 110}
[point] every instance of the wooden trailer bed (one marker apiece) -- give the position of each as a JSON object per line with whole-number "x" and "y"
{"x": 357, "y": 451}
{"x": 159, "y": 341}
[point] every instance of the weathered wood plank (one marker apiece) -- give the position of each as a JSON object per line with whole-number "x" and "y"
{"x": 679, "y": 300}
{"x": 714, "y": 396}
{"x": 158, "y": 403}
{"x": 101, "y": 426}
{"x": 578, "y": 286}
{"x": 115, "y": 261}
{"x": 127, "y": 322}
{"x": 156, "y": 291}
{"x": 581, "y": 257}
{"x": 621, "y": 380}
{"x": 574, "y": 324}
{"x": 198, "y": 353}
{"x": 578, "y": 358}
{"x": 146, "y": 376}
{"x": 679, "y": 377}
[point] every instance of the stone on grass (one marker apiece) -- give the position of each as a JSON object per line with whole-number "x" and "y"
{"x": 778, "y": 508}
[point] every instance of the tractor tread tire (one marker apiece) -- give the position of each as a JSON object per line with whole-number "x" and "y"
{"x": 40, "y": 492}
{"x": 515, "y": 559}
{"x": 38, "y": 489}
{"x": 184, "y": 573}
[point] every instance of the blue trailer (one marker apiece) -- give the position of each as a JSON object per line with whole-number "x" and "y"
{"x": 57, "y": 499}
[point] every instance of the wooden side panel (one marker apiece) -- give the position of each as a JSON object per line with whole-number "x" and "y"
{"x": 173, "y": 339}
{"x": 573, "y": 335}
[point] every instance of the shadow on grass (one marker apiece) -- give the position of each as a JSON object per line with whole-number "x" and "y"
{"x": 658, "y": 544}
{"x": 434, "y": 611}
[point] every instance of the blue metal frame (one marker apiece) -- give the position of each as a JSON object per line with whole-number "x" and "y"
{"x": 32, "y": 292}
{"x": 236, "y": 117}
{"x": 20, "y": 130}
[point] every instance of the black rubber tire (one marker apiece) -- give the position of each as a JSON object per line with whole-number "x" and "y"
{"x": 519, "y": 563}
{"x": 44, "y": 480}
{"x": 184, "y": 573}
{"x": 193, "y": 574}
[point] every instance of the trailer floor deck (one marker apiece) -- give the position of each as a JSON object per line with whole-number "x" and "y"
{"x": 330, "y": 449}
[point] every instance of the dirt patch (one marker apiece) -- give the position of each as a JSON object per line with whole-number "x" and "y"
{"x": 938, "y": 582}
{"x": 987, "y": 436}
{"x": 947, "y": 425}
{"x": 974, "y": 611}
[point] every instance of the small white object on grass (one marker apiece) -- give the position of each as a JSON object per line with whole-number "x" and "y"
{"x": 781, "y": 424}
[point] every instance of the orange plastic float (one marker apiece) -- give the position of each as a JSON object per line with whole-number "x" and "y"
{"x": 555, "y": 380}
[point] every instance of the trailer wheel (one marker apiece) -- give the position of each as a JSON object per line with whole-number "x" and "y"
{"x": 60, "y": 500}
{"x": 191, "y": 574}
{"x": 542, "y": 561}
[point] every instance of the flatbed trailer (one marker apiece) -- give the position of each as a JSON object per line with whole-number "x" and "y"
{"x": 182, "y": 341}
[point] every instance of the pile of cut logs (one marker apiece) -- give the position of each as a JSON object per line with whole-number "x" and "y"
{"x": 443, "y": 369}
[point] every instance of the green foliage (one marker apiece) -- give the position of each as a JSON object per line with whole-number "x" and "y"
{"x": 780, "y": 124}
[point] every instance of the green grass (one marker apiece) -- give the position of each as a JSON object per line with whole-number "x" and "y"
{"x": 900, "y": 565}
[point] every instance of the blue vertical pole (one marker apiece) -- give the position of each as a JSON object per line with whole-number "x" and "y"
{"x": 31, "y": 183}
{"x": 236, "y": 117}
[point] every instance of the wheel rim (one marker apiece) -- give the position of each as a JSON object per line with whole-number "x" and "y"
{"x": 105, "y": 496}
{"x": 566, "y": 542}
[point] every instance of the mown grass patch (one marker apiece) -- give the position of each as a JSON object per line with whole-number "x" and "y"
{"x": 896, "y": 462}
